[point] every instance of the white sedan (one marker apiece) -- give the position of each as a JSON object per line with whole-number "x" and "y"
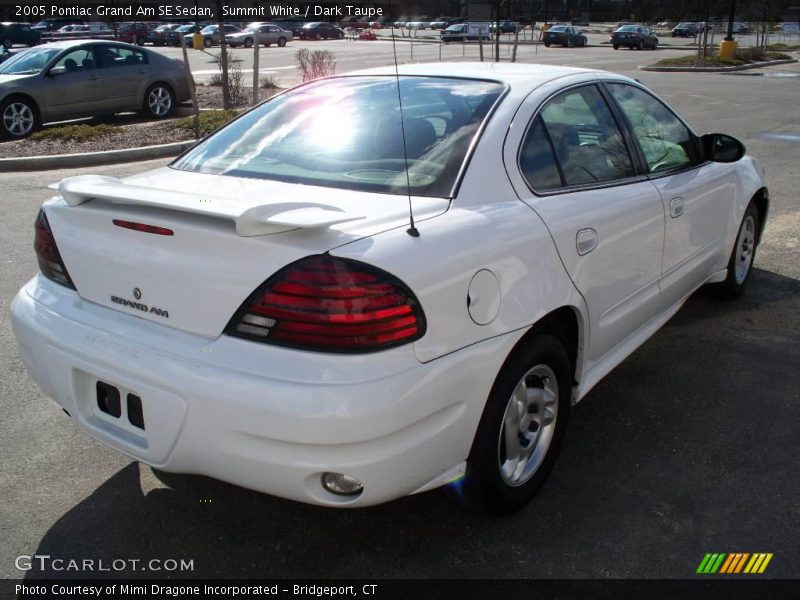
{"x": 320, "y": 304}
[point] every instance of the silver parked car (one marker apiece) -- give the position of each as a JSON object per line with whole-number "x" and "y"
{"x": 264, "y": 34}
{"x": 84, "y": 78}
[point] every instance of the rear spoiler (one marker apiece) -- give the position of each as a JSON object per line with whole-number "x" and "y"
{"x": 250, "y": 221}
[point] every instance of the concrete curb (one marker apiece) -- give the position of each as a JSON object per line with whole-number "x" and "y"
{"x": 90, "y": 159}
{"x": 758, "y": 65}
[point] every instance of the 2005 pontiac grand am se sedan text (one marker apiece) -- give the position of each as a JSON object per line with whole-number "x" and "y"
{"x": 263, "y": 311}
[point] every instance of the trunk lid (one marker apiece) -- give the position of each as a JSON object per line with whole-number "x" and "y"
{"x": 229, "y": 235}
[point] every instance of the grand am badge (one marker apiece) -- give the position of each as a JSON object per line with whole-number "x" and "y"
{"x": 153, "y": 310}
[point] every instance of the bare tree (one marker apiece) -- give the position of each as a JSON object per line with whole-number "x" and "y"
{"x": 226, "y": 93}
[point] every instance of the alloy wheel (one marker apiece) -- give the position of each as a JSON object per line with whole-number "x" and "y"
{"x": 18, "y": 119}
{"x": 159, "y": 101}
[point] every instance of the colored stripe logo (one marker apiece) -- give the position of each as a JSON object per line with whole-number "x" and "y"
{"x": 734, "y": 563}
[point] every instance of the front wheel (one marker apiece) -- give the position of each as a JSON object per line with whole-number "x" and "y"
{"x": 248, "y": 43}
{"x": 340, "y": 35}
{"x": 140, "y": 41}
{"x": 616, "y": 47}
{"x": 207, "y": 42}
{"x": 655, "y": 45}
{"x": 640, "y": 45}
{"x": 522, "y": 427}
{"x": 159, "y": 101}
{"x": 740, "y": 263}
{"x": 19, "y": 118}
{"x": 547, "y": 45}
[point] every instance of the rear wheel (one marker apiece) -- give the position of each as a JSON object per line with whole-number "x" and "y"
{"x": 655, "y": 44}
{"x": 740, "y": 263}
{"x": 140, "y": 41}
{"x": 281, "y": 42}
{"x": 248, "y": 42}
{"x": 19, "y": 118}
{"x": 159, "y": 101}
{"x": 207, "y": 42}
{"x": 616, "y": 47}
{"x": 522, "y": 427}
{"x": 547, "y": 45}
{"x": 317, "y": 36}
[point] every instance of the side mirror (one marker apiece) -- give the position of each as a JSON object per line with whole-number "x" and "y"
{"x": 722, "y": 148}
{"x": 56, "y": 71}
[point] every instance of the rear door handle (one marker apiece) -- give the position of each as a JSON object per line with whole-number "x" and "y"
{"x": 585, "y": 241}
{"x": 676, "y": 207}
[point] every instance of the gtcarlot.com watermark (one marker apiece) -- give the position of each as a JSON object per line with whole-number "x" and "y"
{"x": 45, "y": 562}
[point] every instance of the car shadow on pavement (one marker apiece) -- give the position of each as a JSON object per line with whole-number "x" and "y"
{"x": 689, "y": 446}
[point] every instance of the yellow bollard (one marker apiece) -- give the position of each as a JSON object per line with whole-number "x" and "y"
{"x": 727, "y": 49}
{"x": 197, "y": 41}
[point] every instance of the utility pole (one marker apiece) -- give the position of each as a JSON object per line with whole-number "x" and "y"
{"x": 727, "y": 48}
{"x": 223, "y": 57}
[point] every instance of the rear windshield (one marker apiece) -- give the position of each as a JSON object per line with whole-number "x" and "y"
{"x": 346, "y": 133}
{"x": 628, "y": 28}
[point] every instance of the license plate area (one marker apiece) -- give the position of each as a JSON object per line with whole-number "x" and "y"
{"x": 111, "y": 401}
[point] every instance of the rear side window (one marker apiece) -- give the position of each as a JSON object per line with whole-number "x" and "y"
{"x": 118, "y": 56}
{"x": 537, "y": 160}
{"x": 584, "y": 141}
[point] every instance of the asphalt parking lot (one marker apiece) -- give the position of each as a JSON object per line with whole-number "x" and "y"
{"x": 692, "y": 445}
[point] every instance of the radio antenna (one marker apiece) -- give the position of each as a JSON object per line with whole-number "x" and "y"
{"x": 412, "y": 230}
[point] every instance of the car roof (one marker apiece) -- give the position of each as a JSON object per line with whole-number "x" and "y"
{"x": 519, "y": 76}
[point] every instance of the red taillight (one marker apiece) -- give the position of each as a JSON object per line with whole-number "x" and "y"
{"x": 144, "y": 228}
{"x": 330, "y": 304}
{"x": 50, "y": 263}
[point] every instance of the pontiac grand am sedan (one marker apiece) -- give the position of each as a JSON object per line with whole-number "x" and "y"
{"x": 321, "y": 304}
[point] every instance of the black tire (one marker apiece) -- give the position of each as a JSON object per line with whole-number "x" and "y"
{"x": 28, "y": 121}
{"x": 267, "y": 44}
{"x": 140, "y": 41}
{"x": 281, "y": 42}
{"x": 655, "y": 44}
{"x": 248, "y": 42}
{"x": 207, "y": 42}
{"x": 734, "y": 284}
{"x": 640, "y": 45}
{"x": 162, "y": 105}
{"x": 318, "y": 36}
{"x": 7, "y": 43}
{"x": 485, "y": 486}
{"x": 616, "y": 47}
{"x": 340, "y": 35}
{"x": 547, "y": 45}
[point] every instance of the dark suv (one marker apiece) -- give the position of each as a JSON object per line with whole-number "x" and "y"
{"x": 18, "y": 33}
{"x": 685, "y": 30}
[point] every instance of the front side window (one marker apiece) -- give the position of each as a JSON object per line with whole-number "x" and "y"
{"x": 585, "y": 138}
{"x": 78, "y": 60}
{"x": 665, "y": 141}
{"x": 347, "y": 133}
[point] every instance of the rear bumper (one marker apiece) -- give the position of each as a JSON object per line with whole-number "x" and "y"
{"x": 266, "y": 418}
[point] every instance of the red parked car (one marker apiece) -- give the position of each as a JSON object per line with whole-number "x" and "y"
{"x": 126, "y": 32}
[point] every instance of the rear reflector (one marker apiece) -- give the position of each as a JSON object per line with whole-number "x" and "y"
{"x": 50, "y": 263}
{"x": 330, "y": 305}
{"x": 143, "y": 227}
